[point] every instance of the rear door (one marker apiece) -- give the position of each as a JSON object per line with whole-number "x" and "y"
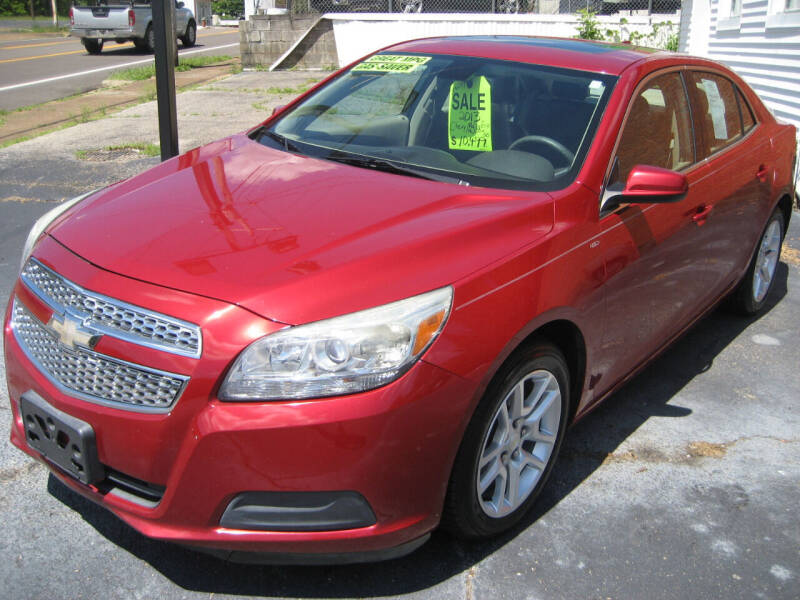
{"x": 736, "y": 176}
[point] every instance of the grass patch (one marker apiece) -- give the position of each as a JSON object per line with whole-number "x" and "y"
{"x": 193, "y": 62}
{"x": 25, "y": 138}
{"x": 186, "y": 64}
{"x": 135, "y": 73}
{"x": 284, "y": 90}
{"x": 143, "y": 148}
{"x": 3, "y": 114}
{"x": 42, "y": 29}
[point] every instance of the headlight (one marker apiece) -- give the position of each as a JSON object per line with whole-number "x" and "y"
{"x": 44, "y": 222}
{"x": 343, "y": 355}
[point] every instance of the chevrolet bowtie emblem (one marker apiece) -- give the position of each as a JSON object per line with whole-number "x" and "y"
{"x": 71, "y": 331}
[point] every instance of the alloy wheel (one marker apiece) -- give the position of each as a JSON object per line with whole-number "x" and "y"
{"x": 767, "y": 260}
{"x": 519, "y": 443}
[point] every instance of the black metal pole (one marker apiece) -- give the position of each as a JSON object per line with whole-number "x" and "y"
{"x": 164, "y": 30}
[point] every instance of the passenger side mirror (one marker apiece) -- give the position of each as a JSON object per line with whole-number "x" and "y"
{"x": 647, "y": 185}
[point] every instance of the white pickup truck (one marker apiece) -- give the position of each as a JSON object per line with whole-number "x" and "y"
{"x": 124, "y": 22}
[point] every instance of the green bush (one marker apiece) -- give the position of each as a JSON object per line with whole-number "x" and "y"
{"x": 227, "y": 7}
{"x": 41, "y": 8}
{"x": 661, "y": 34}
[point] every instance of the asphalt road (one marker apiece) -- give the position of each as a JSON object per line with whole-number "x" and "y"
{"x": 682, "y": 485}
{"x": 39, "y": 68}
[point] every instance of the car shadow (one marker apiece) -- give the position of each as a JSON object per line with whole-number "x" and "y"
{"x": 586, "y": 447}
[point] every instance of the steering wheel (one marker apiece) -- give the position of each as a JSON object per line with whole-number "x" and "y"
{"x": 560, "y": 148}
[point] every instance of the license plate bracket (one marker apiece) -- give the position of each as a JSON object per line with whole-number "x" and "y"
{"x": 66, "y": 441}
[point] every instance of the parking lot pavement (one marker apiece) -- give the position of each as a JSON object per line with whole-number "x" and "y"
{"x": 682, "y": 485}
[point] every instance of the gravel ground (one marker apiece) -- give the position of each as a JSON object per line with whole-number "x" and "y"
{"x": 683, "y": 485}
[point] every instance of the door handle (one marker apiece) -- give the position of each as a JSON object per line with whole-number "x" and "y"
{"x": 761, "y": 174}
{"x": 701, "y": 214}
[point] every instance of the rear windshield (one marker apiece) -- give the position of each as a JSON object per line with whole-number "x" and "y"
{"x": 474, "y": 121}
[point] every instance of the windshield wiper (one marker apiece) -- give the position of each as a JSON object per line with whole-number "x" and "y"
{"x": 281, "y": 139}
{"x": 381, "y": 164}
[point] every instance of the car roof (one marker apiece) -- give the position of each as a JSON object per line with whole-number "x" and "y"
{"x": 599, "y": 57}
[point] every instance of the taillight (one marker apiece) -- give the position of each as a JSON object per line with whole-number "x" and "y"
{"x": 131, "y": 18}
{"x": 71, "y": 17}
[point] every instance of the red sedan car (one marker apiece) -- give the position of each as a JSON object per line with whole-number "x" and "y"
{"x": 378, "y": 311}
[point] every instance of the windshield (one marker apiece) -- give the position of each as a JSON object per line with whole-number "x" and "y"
{"x": 467, "y": 120}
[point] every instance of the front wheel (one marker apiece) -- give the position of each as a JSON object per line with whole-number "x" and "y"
{"x": 751, "y": 294}
{"x": 93, "y": 46}
{"x": 510, "y": 444}
{"x": 190, "y": 35}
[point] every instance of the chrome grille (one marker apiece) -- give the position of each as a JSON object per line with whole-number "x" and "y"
{"x": 114, "y": 317}
{"x": 93, "y": 376}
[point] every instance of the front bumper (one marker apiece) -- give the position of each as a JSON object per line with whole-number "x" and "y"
{"x": 394, "y": 446}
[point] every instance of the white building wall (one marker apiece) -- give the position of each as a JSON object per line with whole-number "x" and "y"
{"x": 762, "y": 45}
{"x": 358, "y": 34}
{"x": 695, "y": 25}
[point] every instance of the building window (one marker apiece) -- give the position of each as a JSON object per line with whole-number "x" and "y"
{"x": 783, "y": 14}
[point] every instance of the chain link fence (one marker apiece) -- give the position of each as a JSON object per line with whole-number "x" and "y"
{"x": 599, "y": 7}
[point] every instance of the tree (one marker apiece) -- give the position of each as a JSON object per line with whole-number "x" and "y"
{"x": 232, "y": 8}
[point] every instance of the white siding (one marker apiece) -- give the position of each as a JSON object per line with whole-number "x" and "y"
{"x": 765, "y": 53}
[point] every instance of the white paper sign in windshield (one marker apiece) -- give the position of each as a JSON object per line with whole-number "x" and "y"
{"x": 391, "y": 63}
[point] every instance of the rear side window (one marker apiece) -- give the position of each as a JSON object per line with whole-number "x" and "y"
{"x": 657, "y": 130}
{"x": 716, "y": 112}
{"x": 748, "y": 121}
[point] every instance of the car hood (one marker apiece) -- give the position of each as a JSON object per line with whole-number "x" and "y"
{"x": 292, "y": 238}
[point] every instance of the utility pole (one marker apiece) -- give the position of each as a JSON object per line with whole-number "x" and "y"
{"x": 166, "y": 54}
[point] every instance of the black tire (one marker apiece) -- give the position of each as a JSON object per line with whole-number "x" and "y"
{"x": 189, "y": 37}
{"x": 149, "y": 42}
{"x": 465, "y": 514}
{"x": 751, "y": 294}
{"x": 140, "y": 45}
{"x": 93, "y": 46}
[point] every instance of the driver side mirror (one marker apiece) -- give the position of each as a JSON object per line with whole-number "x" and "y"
{"x": 646, "y": 185}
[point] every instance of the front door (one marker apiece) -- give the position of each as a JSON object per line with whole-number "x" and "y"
{"x": 654, "y": 280}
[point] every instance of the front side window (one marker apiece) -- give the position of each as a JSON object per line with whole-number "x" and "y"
{"x": 717, "y": 121}
{"x": 468, "y": 120}
{"x": 657, "y": 131}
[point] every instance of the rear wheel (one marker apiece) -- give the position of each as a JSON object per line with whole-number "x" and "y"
{"x": 93, "y": 46}
{"x": 751, "y": 294}
{"x": 149, "y": 42}
{"x": 190, "y": 35}
{"x": 510, "y": 445}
